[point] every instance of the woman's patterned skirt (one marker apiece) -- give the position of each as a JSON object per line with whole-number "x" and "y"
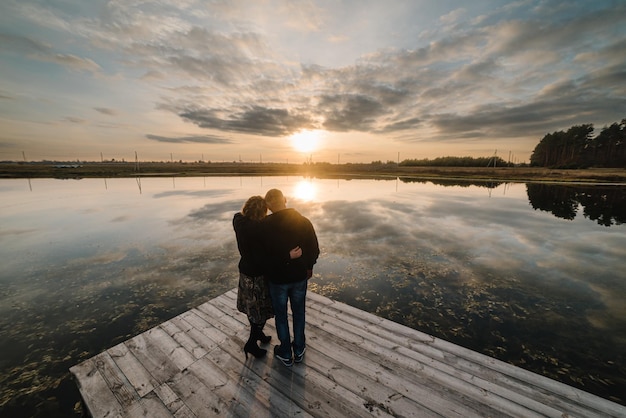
{"x": 253, "y": 298}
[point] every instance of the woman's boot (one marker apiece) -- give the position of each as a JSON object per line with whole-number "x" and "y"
{"x": 251, "y": 345}
{"x": 264, "y": 339}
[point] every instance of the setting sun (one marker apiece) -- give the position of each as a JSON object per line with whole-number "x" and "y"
{"x": 307, "y": 140}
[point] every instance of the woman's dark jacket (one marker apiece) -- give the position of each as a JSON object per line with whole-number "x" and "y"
{"x": 250, "y": 244}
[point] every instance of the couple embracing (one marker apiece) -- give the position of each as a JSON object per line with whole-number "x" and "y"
{"x": 278, "y": 252}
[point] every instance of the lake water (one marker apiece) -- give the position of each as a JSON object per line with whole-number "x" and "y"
{"x": 533, "y": 274}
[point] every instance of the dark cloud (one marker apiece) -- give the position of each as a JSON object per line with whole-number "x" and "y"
{"x": 536, "y": 118}
{"x": 44, "y": 52}
{"x": 349, "y": 112}
{"x": 555, "y": 33}
{"x": 402, "y": 125}
{"x": 388, "y": 94}
{"x": 205, "y": 55}
{"x": 203, "y": 139}
{"x": 251, "y": 120}
{"x": 73, "y": 119}
{"x": 106, "y": 111}
{"x": 22, "y": 44}
{"x": 479, "y": 71}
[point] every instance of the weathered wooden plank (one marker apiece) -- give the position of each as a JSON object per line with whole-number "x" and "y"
{"x": 134, "y": 371}
{"x": 351, "y": 403}
{"x": 377, "y": 371}
{"x": 170, "y": 347}
{"x": 240, "y": 401}
{"x": 212, "y": 312}
{"x": 117, "y": 382}
{"x": 95, "y": 391}
{"x": 252, "y": 376}
{"x": 171, "y": 400}
{"x": 356, "y": 365}
{"x": 214, "y": 334}
{"x": 233, "y": 344}
{"x": 158, "y": 364}
{"x": 319, "y": 388}
{"x": 150, "y": 406}
{"x": 377, "y": 368}
{"x": 385, "y": 353}
{"x": 184, "y": 412}
{"x": 431, "y": 370}
{"x": 199, "y": 339}
{"x": 502, "y": 378}
{"x": 374, "y": 394}
{"x": 200, "y": 400}
{"x": 183, "y": 339}
{"x": 228, "y": 374}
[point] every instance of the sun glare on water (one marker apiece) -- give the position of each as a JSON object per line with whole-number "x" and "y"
{"x": 304, "y": 190}
{"x": 307, "y": 140}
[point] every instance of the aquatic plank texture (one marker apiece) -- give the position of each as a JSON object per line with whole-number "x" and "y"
{"x": 356, "y": 365}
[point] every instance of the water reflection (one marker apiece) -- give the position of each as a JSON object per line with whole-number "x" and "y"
{"x": 603, "y": 204}
{"x": 304, "y": 190}
{"x": 87, "y": 265}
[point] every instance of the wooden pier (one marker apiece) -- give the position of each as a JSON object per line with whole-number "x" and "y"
{"x": 356, "y": 365}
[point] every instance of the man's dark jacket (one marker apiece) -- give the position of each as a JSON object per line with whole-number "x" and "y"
{"x": 283, "y": 231}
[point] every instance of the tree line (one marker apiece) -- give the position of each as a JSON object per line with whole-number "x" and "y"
{"x": 578, "y": 148}
{"x": 494, "y": 161}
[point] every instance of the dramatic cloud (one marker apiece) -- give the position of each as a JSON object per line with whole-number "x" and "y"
{"x": 398, "y": 76}
{"x": 106, "y": 111}
{"x": 190, "y": 139}
{"x": 75, "y": 120}
{"x": 254, "y": 120}
{"x": 43, "y": 52}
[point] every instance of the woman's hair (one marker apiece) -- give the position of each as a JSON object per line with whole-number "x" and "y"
{"x": 255, "y": 208}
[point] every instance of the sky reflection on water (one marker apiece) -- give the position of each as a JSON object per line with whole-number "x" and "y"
{"x": 89, "y": 263}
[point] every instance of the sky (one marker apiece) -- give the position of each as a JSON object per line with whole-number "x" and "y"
{"x": 304, "y": 80}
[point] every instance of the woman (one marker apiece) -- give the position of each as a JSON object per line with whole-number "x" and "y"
{"x": 253, "y": 297}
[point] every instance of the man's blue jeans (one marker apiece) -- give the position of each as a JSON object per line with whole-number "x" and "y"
{"x": 296, "y": 294}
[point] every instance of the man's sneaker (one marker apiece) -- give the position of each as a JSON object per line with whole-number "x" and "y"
{"x": 287, "y": 361}
{"x": 299, "y": 356}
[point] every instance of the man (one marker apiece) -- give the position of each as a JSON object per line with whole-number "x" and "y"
{"x": 285, "y": 229}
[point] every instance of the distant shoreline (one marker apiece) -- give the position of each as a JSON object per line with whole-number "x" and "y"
{"x": 65, "y": 170}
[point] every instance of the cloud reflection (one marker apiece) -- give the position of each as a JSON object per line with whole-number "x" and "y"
{"x": 484, "y": 271}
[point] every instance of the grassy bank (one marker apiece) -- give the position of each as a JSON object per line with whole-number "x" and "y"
{"x": 121, "y": 169}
